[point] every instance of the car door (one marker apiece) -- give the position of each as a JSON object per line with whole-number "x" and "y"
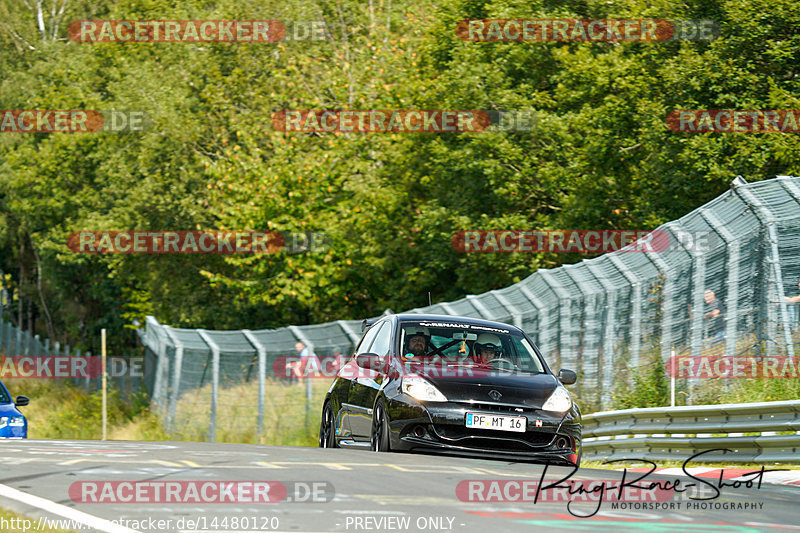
{"x": 349, "y": 372}
{"x": 364, "y": 389}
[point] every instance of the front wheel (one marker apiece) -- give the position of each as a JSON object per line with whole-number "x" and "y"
{"x": 380, "y": 429}
{"x": 327, "y": 439}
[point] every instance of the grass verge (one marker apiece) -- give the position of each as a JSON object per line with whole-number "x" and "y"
{"x": 62, "y": 411}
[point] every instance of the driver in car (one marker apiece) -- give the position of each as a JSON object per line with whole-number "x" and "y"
{"x": 487, "y": 347}
{"x": 417, "y": 339}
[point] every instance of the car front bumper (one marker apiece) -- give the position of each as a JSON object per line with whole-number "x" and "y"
{"x": 441, "y": 428}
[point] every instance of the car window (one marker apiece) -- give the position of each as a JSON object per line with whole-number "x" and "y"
{"x": 383, "y": 341}
{"x": 524, "y": 355}
{"x": 363, "y": 347}
{"x": 4, "y": 396}
{"x": 454, "y": 351}
{"x": 456, "y": 342}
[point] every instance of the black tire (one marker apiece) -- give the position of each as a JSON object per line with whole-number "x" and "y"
{"x": 327, "y": 438}
{"x": 380, "y": 429}
{"x": 578, "y": 459}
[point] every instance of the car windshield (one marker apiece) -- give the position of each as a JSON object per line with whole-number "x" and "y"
{"x": 4, "y": 396}
{"x": 459, "y": 344}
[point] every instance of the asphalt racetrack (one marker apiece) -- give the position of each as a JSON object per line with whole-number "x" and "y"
{"x": 343, "y": 490}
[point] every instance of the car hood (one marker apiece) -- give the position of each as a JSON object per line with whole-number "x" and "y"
{"x": 8, "y": 409}
{"x": 523, "y": 390}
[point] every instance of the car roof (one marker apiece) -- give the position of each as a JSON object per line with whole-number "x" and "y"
{"x": 415, "y": 317}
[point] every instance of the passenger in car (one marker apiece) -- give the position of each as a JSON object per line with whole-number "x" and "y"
{"x": 487, "y": 347}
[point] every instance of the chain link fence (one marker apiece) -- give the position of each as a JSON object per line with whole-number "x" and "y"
{"x": 605, "y": 317}
{"x": 17, "y": 345}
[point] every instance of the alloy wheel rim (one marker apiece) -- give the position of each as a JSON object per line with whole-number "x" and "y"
{"x": 327, "y": 429}
{"x": 378, "y": 423}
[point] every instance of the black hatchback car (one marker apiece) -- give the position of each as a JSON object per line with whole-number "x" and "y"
{"x": 451, "y": 385}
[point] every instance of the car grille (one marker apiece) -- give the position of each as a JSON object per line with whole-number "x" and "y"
{"x": 478, "y": 438}
{"x": 505, "y": 408}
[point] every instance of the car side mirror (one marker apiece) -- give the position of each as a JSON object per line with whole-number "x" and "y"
{"x": 369, "y": 361}
{"x": 567, "y": 377}
{"x": 21, "y": 401}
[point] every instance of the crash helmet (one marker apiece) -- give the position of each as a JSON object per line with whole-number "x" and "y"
{"x": 488, "y": 341}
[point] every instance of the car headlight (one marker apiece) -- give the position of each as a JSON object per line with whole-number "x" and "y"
{"x": 421, "y": 390}
{"x": 559, "y": 401}
{"x": 14, "y": 421}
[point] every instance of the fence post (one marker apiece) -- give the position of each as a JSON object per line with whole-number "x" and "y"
{"x": 636, "y": 311}
{"x": 514, "y": 312}
{"x": 173, "y": 394}
{"x": 565, "y": 319}
{"x": 537, "y": 304}
{"x": 672, "y": 378}
{"x": 354, "y": 337}
{"x": 86, "y": 380}
{"x": 589, "y": 353}
{"x": 449, "y": 310}
{"x": 262, "y": 377}
{"x": 18, "y": 347}
{"x": 766, "y": 217}
{"x": 667, "y": 303}
{"x": 477, "y": 304}
{"x": 732, "y": 301}
{"x": 162, "y": 365}
{"x": 212, "y": 425}
{"x": 299, "y": 335}
{"x": 609, "y": 335}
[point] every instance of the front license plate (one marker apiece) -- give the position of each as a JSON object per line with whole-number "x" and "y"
{"x": 498, "y": 422}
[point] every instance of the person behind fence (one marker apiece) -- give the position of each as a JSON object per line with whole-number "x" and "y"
{"x": 338, "y": 360}
{"x": 793, "y": 309}
{"x": 715, "y": 317}
{"x": 308, "y": 362}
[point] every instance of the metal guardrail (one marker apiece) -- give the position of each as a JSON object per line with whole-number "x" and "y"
{"x": 670, "y": 433}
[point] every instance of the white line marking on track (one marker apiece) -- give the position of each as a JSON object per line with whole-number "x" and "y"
{"x": 72, "y": 462}
{"x": 695, "y": 471}
{"x": 62, "y": 510}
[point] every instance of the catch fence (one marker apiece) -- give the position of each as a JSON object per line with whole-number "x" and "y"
{"x": 16, "y": 345}
{"x": 605, "y": 318}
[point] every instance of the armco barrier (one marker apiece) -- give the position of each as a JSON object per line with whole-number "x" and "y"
{"x": 677, "y": 433}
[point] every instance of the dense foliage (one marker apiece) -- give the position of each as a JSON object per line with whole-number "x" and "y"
{"x": 600, "y": 154}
